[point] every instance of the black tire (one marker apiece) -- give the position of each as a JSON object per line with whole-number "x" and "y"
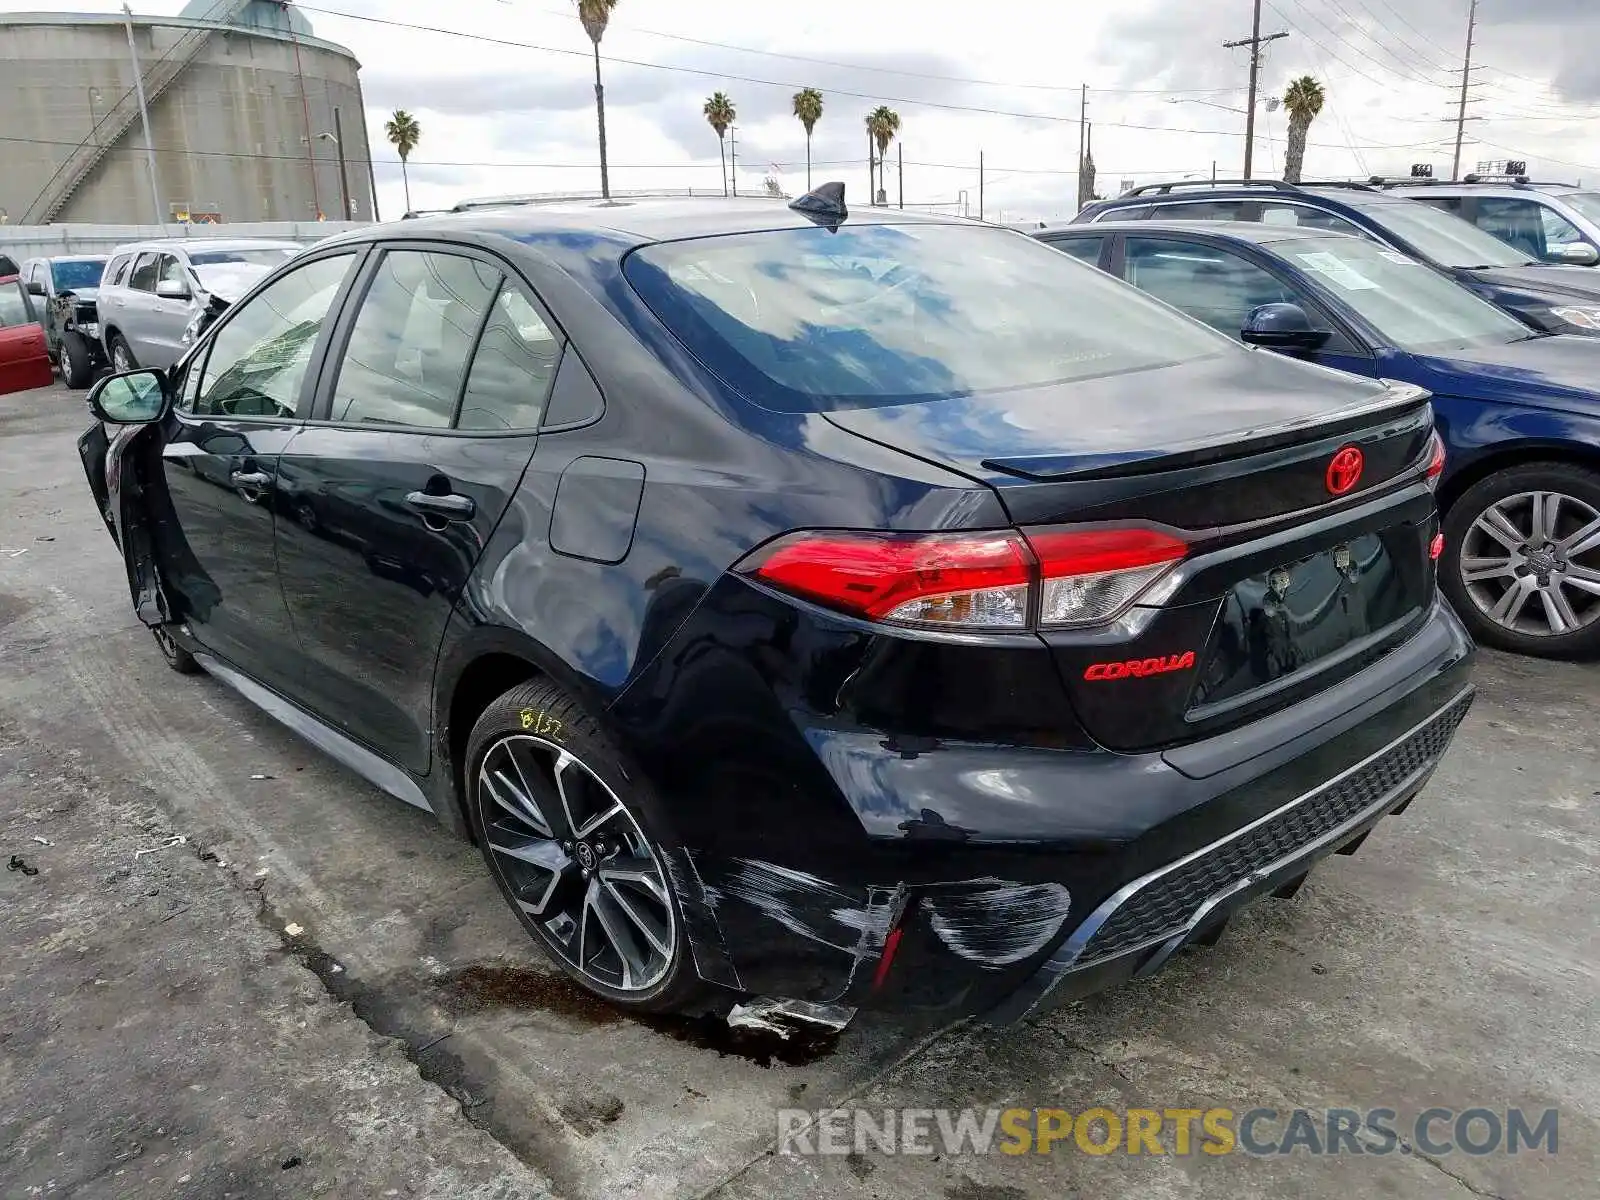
{"x": 77, "y": 364}
{"x": 541, "y": 715}
{"x": 1580, "y": 486}
{"x": 113, "y": 343}
{"x": 179, "y": 659}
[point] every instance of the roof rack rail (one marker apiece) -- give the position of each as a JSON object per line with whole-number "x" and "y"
{"x": 1352, "y": 184}
{"x": 1163, "y": 189}
{"x": 1519, "y": 181}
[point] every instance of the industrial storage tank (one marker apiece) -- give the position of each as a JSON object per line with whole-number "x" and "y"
{"x": 248, "y": 109}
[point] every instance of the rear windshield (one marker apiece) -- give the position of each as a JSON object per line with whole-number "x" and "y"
{"x": 259, "y": 258}
{"x": 1445, "y": 239}
{"x": 807, "y": 319}
{"x": 72, "y": 275}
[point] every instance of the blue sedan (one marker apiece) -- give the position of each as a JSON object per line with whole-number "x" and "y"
{"x": 1519, "y": 411}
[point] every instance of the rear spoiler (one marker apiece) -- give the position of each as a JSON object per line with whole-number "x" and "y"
{"x": 1397, "y": 398}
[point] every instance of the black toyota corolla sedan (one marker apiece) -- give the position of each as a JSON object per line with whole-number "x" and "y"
{"x": 853, "y": 607}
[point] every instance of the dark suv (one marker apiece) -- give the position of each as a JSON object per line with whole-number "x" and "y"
{"x": 861, "y": 608}
{"x": 1547, "y": 297}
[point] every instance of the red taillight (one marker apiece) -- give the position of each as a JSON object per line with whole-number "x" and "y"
{"x": 1436, "y": 547}
{"x": 998, "y": 580}
{"x": 1435, "y": 459}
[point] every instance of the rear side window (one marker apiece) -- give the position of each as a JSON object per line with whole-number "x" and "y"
{"x": 808, "y": 319}
{"x": 412, "y": 339}
{"x": 1084, "y": 249}
{"x": 1200, "y": 210}
{"x": 512, "y": 369}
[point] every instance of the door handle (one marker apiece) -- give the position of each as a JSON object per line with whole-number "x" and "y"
{"x": 250, "y": 479}
{"x": 451, "y": 507}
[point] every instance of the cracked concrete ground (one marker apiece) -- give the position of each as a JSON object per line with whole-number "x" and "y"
{"x": 316, "y": 993}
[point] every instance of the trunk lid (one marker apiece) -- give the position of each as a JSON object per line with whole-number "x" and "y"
{"x": 1290, "y": 585}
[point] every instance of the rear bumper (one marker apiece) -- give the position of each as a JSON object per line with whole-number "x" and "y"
{"x": 1140, "y": 926}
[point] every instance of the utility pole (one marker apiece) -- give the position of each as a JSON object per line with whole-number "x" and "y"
{"x": 980, "y": 185}
{"x": 1083, "y": 113}
{"x": 733, "y": 158}
{"x": 344, "y": 176}
{"x": 900, "y": 150}
{"x": 144, "y": 115}
{"x": 1466, "y": 74}
{"x": 1255, "y": 41}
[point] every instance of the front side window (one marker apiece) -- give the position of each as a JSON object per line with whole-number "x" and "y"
{"x": 260, "y": 354}
{"x": 412, "y": 338}
{"x": 1413, "y": 307}
{"x": 14, "y": 308}
{"x": 1438, "y": 236}
{"x": 1301, "y": 217}
{"x": 1515, "y": 221}
{"x": 145, "y": 272}
{"x": 513, "y": 367}
{"x": 1211, "y": 285}
{"x": 803, "y": 320}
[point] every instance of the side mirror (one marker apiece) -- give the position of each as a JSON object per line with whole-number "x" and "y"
{"x": 1575, "y": 254}
{"x": 1282, "y": 327}
{"x": 133, "y": 398}
{"x": 35, "y": 288}
{"x": 173, "y": 289}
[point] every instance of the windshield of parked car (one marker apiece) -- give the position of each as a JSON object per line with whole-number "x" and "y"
{"x": 261, "y": 258}
{"x": 1587, "y": 203}
{"x": 809, "y": 319}
{"x": 1411, "y": 305}
{"x": 1445, "y": 239}
{"x": 71, "y": 275}
{"x": 14, "y": 305}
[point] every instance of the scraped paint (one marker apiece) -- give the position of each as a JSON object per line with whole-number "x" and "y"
{"x": 1000, "y": 924}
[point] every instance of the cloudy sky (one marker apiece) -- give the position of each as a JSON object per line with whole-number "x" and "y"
{"x": 503, "y": 90}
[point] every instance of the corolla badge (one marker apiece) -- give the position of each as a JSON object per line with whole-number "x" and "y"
{"x": 1344, "y": 470}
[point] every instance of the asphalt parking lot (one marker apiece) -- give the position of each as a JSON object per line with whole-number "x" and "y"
{"x": 230, "y": 968}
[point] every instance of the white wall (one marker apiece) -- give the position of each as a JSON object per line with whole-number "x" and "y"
{"x": 21, "y": 242}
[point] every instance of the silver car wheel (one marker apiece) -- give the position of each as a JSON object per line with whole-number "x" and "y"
{"x": 577, "y": 863}
{"x": 1531, "y": 563}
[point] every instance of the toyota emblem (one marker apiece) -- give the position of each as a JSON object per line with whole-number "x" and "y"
{"x": 1344, "y": 470}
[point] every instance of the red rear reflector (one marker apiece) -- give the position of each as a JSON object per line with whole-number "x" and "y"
{"x": 890, "y": 945}
{"x": 1435, "y": 459}
{"x": 1436, "y": 547}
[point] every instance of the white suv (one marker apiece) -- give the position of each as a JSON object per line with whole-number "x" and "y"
{"x": 151, "y": 291}
{"x": 1554, "y": 222}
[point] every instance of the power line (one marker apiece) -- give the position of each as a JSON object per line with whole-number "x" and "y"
{"x": 829, "y": 62}
{"x": 1331, "y": 53}
{"x": 1407, "y": 70}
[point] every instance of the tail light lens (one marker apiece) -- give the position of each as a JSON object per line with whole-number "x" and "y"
{"x": 1435, "y": 459}
{"x": 995, "y": 581}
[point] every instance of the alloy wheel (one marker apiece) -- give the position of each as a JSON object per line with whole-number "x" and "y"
{"x": 1531, "y": 563}
{"x": 121, "y": 358}
{"x": 576, "y": 863}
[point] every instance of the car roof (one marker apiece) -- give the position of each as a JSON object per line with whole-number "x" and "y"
{"x": 1255, "y": 232}
{"x": 200, "y": 245}
{"x": 634, "y": 221}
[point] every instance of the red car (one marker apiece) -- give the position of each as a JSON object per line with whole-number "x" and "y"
{"x": 24, "y": 361}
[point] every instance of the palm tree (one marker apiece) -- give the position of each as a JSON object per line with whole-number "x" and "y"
{"x": 1304, "y": 101}
{"x": 808, "y": 107}
{"x": 882, "y": 123}
{"x": 719, "y": 111}
{"x": 595, "y": 14}
{"x": 404, "y": 132}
